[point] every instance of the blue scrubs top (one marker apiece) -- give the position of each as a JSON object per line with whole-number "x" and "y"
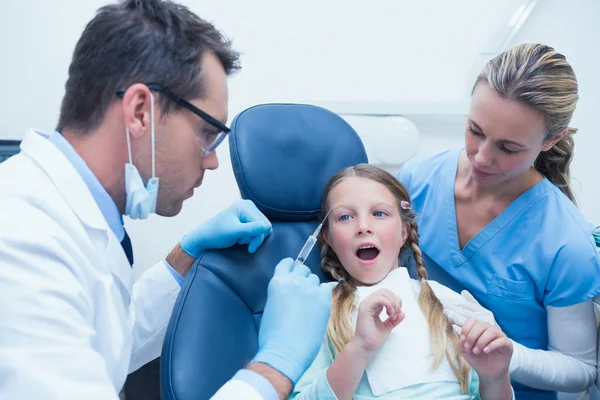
{"x": 539, "y": 252}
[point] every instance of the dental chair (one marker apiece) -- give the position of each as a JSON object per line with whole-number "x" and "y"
{"x": 282, "y": 157}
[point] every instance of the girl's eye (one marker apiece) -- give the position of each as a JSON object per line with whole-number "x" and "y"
{"x": 379, "y": 214}
{"x": 344, "y": 217}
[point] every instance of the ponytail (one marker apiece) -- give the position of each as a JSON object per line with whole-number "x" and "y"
{"x": 554, "y": 163}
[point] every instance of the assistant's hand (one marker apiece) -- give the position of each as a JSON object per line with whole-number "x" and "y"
{"x": 241, "y": 223}
{"x": 458, "y": 312}
{"x": 294, "y": 320}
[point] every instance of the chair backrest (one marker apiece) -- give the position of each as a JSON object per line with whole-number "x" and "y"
{"x": 282, "y": 156}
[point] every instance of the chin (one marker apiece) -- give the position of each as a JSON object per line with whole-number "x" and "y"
{"x": 370, "y": 280}
{"x": 498, "y": 181}
{"x": 482, "y": 181}
{"x": 488, "y": 182}
{"x": 171, "y": 211}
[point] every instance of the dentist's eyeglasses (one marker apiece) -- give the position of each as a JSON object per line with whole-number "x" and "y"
{"x": 213, "y": 139}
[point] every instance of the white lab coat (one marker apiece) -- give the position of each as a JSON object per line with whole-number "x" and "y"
{"x": 72, "y": 323}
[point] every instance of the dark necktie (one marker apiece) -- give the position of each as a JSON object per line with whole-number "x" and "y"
{"x": 143, "y": 384}
{"x": 126, "y": 244}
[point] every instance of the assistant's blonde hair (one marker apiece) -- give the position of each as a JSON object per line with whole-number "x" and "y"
{"x": 540, "y": 77}
{"x": 340, "y": 329}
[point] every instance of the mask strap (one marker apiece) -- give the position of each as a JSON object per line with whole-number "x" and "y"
{"x": 152, "y": 129}
{"x": 128, "y": 145}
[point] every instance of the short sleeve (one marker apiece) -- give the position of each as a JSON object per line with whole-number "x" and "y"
{"x": 574, "y": 275}
{"x": 474, "y": 384}
{"x": 404, "y": 175}
{"x": 313, "y": 384}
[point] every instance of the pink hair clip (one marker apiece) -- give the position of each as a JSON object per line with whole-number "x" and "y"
{"x": 405, "y": 205}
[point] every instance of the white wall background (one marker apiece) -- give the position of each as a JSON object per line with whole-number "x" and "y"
{"x": 401, "y": 51}
{"x": 414, "y": 57}
{"x": 573, "y": 28}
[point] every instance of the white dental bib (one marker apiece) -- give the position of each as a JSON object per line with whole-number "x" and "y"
{"x": 406, "y": 357}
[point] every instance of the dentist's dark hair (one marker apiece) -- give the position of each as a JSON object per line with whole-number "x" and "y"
{"x": 139, "y": 41}
{"x": 340, "y": 330}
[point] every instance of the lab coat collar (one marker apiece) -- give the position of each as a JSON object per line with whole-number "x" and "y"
{"x": 77, "y": 194}
{"x": 103, "y": 199}
{"x": 62, "y": 173}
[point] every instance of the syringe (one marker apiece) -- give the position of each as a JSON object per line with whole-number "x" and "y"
{"x": 310, "y": 243}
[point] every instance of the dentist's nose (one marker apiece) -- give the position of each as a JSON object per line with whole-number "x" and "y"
{"x": 211, "y": 161}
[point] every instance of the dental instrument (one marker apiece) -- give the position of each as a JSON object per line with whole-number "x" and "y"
{"x": 310, "y": 243}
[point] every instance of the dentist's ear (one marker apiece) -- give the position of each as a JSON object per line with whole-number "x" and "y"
{"x": 136, "y": 106}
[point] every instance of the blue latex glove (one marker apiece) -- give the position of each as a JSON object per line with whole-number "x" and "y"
{"x": 294, "y": 320}
{"x": 241, "y": 223}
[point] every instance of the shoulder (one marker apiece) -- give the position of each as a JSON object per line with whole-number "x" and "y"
{"x": 24, "y": 182}
{"x": 37, "y": 227}
{"x": 31, "y": 207}
{"x": 428, "y": 159}
{"x": 566, "y": 240}
{"x": 563, "y": 224}
{"x": 420, "y": 169}
{"x": 576, "y": 251}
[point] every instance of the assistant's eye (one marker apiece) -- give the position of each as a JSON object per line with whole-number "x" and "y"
{"x": 474, "y": 132}
{"x": 507, "y": 150}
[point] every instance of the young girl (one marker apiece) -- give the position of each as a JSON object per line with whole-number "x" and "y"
{"x": 388, "y": 336}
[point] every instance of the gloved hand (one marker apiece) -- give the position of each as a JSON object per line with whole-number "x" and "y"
{"x": 459, "y": 312}
{"x": 294, "y": 320}
{"x": 241, "y": 223}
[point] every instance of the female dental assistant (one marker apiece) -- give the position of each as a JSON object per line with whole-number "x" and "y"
{"x": 498, "y": 219}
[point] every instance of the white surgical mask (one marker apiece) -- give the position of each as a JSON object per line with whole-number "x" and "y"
{"x": 141, "y": 201}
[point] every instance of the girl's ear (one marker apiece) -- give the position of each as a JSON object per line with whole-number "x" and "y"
{"x": 405, "y": 228}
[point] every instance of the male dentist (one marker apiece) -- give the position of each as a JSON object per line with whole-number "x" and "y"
{"x": 144, "y": 109}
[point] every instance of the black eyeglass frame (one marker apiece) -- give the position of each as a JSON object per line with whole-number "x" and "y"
{"x": 224, "y": 130}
